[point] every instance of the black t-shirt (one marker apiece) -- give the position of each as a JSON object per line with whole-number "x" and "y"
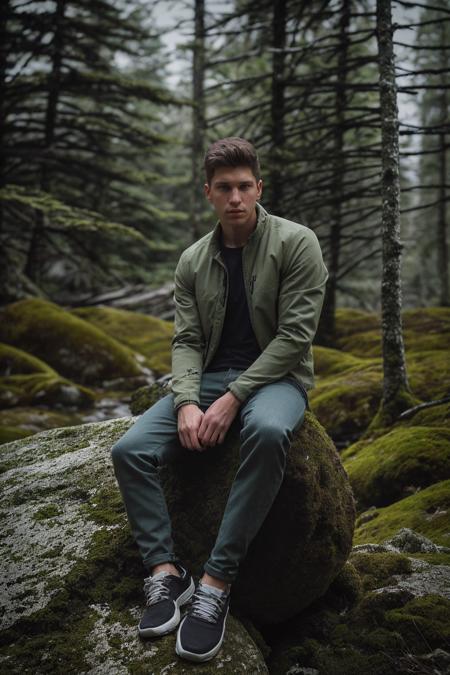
{"x": 238, "y": 347}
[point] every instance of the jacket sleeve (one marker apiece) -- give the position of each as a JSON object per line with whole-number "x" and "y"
{"x": 300, "y": 300}
{"x": 188, "y": 341}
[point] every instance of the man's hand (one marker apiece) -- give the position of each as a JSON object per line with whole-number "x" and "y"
{"x": 189, "y": 420}
{"x": 217, "y": 420}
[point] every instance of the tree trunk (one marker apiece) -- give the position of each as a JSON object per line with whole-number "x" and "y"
{"x": 326, "y": 332}
{"x": 35, "y": 251}
{"x": 395, "y": 384}
{"x": 442, "y": 243}
{"x": 4, "y": 14}
{"x": 278, "y": 107}
{"x": 198, "y": 119}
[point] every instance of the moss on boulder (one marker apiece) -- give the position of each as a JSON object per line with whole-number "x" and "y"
{"x": 73, "y": 347}
{"x": 71, "y": 579}
{"x": 145, "y": 334}
{"x": 17, "y": 362}
{"x": 397, "y": 464}
{"x": 307, "y": 533}
{"x": 43, "y": 389}
{"x": 427, "y": 512}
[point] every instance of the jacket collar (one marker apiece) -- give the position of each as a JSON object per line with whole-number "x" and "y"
{"x": 261, "y": 221}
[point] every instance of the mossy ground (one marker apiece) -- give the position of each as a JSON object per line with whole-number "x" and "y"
{"x": 73, "y": 347}
{"x": 145, "y": 334}
{"x": 426, "y": 512}
{"x": 397, "y": 463}
{"x": 366, "y": 632}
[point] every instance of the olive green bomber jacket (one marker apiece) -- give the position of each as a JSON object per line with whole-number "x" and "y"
{"x": 284, "y": 278}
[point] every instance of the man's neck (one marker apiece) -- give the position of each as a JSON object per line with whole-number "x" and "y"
{"x": 237, "y": 237}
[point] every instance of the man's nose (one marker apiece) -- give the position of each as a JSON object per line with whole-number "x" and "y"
{"x": 235, "y": 196}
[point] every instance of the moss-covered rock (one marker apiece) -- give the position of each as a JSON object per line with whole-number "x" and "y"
{"x": 17, "y": 362}
{"x": 145, "y": 334}
{"x": 346, "y": 403}
{"x": 398, "y": 622}
{"x": 34, "y": 419}
{"x": 333, "y": 361}
{"x": 397, "y": 464}
{"x": 429, "y": 374}
{"x": 427, "y": 512}
{"x": 307, "y": 533}
{"x": 71, "y": 579}
{"x": 144, "y": 397}
{"x": 43, "y": 389}
{"x": 74, "y": 348}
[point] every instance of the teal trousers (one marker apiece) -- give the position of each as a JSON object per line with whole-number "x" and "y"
{"x": 268, "y": 419}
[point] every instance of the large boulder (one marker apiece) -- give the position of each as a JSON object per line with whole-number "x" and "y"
{"x": 70, "y": 576}
{"x": 304, "y": 541}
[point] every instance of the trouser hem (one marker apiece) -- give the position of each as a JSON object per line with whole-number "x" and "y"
{"x": 219, "y": 574}
{"x": 159, "y": 559}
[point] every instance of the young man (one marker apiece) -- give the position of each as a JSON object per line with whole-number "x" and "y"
{"x": 248, "y": 297}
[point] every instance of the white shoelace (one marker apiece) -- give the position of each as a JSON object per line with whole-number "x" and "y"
{"x": 155, "y": 588}
{"x": 207, "y": 605}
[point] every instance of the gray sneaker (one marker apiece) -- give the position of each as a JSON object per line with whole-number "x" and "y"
{"x": 165, "y": 593}
{"x": 201, "y": 632}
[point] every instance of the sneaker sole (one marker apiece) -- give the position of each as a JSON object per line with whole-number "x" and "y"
{"x": 192, "y": 656}
{"x": 172, "y": 623}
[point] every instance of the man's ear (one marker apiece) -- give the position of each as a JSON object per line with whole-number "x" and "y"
{"x": 259, "y": 186}
{"x": 207, "y": 190}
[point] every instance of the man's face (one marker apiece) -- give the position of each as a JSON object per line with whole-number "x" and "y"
{"x": 234, "y": 192}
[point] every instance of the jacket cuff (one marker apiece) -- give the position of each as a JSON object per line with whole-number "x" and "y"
{"x": 237, "y": 390}
{"x": 179, "y": 404}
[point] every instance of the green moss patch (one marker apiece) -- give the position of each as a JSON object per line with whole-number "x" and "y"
{"x": 385, "y": 630}
{"x": 346, "y": 403}
{"x": 145, "y": 334}
{"x": 333, "y": 361}
{"x": 15, "y": 361}
{"x": 378, "y": 569}
{"x": 426, "y": 512}
{"x": 397, "y": 463}
{"x": 429, "y": 374}
{"x": 43, "y": 389}
{"x": 73, "y": 347}
{"x": 8, "y": 434}
{"x": 435, "y": 416}
{"x": 33, "y": 419}
{"x": 427, "y": 320}
{"x": 351, "y": 321}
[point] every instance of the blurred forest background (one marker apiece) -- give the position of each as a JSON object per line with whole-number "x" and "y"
{"x": 107, "y": 107}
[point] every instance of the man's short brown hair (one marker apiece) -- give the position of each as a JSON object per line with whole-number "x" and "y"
{"x": 231, "y": 152}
